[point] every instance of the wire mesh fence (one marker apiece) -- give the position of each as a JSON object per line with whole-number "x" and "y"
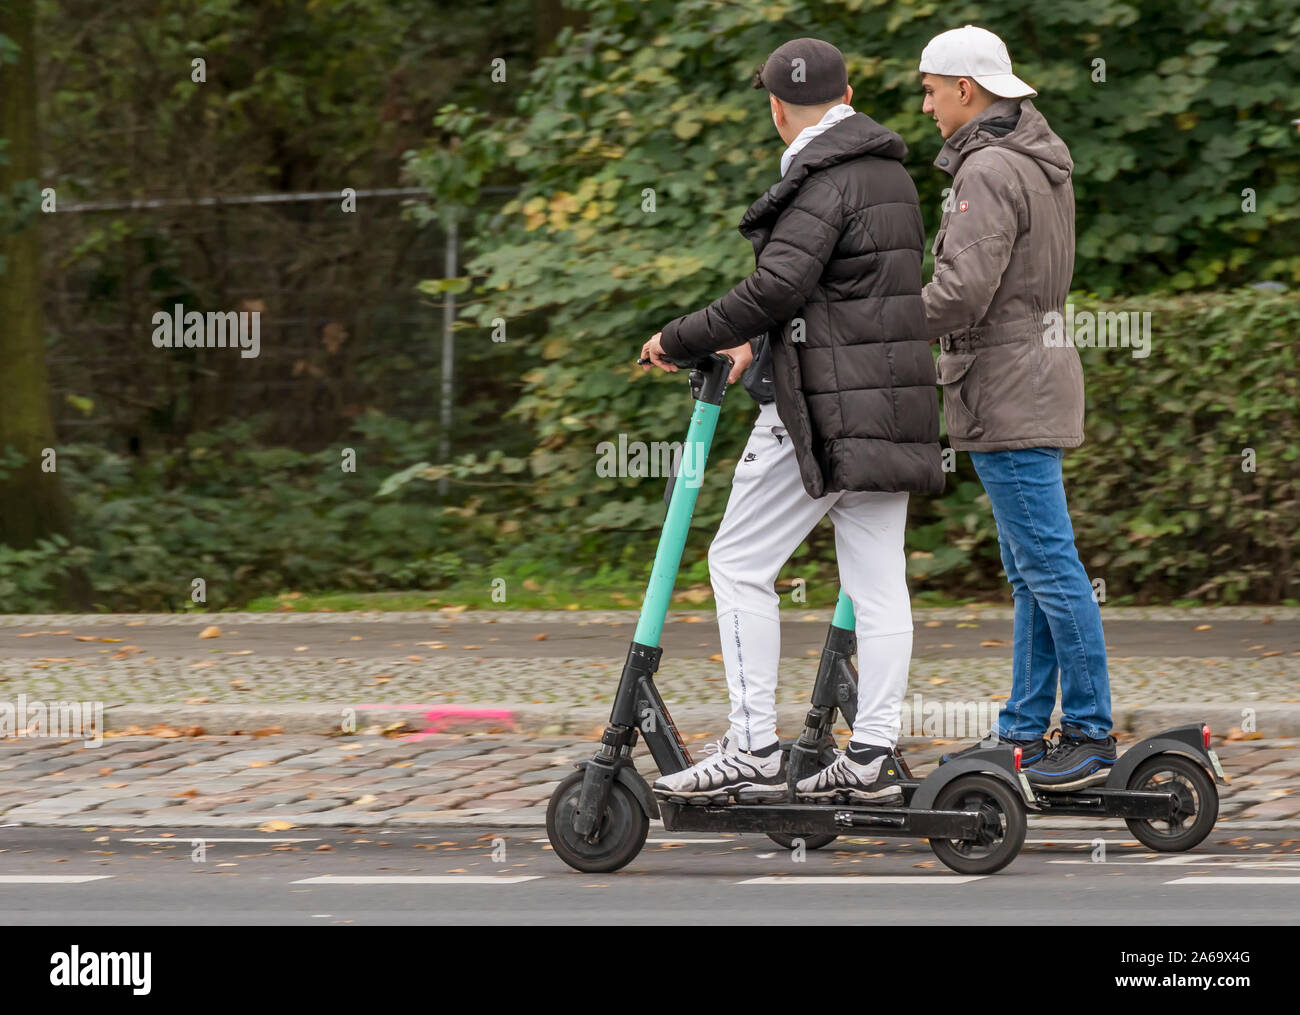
{"x": 342, "y": 328}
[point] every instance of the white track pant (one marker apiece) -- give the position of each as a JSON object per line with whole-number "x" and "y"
{"x": 768, "y": 515}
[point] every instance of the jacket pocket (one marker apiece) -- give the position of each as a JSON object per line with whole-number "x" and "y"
{"x": 959, "y": 395}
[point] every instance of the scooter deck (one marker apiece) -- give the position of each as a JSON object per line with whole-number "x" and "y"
{"x": 1102, "y": 803}
{"x": 820, "y": 819}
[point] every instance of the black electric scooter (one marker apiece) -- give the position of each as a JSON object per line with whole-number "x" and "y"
{"x": 1164, "y": 787}
{"x": 972, "y": 810}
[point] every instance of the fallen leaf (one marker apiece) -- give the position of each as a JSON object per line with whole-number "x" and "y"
{"x": 1204, "y": 627}
{"x": 212, "y": 631}
{"x": 541, "y": 637}
{"x": 275, "y": 826}
{"x": 191, "y": 792}
{"x": 993, "y": 643}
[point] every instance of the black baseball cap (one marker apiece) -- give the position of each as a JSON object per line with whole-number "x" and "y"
{"x": 805, "y": 72}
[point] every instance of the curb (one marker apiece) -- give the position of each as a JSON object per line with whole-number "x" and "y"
{"x": 789, "y": 613}
{"x": 1272, "y": 719}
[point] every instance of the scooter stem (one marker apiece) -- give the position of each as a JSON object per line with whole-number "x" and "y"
{"x": 708, "y": 384}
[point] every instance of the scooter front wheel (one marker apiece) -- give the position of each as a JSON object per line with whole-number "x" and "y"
{"x": 1195, "y": 806}
{"x": 619, "y": 836}
{"x": 1002, "y": 830}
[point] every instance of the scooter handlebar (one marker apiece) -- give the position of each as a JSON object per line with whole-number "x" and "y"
{"x": 697, "y": 363}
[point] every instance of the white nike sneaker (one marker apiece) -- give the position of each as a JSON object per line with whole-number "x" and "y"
{"x": 727, "y": 772}
{"x": 874, "y": 782}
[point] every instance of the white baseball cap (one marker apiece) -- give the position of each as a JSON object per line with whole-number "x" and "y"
{"x": 976, "y": 53}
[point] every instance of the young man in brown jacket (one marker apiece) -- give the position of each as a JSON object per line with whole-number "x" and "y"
{"x": 1013, "y": 399}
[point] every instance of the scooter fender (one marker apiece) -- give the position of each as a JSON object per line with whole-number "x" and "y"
{"x": 1185, "y": 740}
{"x": 998, "y": 762}
{"x": 631, "y": 778}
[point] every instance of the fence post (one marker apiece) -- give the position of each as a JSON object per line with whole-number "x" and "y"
{"x": 448, "y": 348}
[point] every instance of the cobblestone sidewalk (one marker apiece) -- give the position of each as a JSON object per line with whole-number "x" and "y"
{"x": 494, "y": 779}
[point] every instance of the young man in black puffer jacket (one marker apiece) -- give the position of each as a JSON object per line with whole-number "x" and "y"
{"x": 853, "y": 428}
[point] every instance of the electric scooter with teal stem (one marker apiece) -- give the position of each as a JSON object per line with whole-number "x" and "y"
{"x": 972, "y": 809}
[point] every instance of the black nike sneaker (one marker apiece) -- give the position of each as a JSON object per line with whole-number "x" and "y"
{"x": 871, "y": 778}
{"x": 1030, "y": 750}
{"x": 1073, "y": 761}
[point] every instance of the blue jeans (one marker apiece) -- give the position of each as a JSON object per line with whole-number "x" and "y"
{"x": 1057, "y": 620}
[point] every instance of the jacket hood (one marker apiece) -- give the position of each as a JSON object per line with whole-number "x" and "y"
{"x": 1013, "y": 124}
{"x": 854, "y": 137}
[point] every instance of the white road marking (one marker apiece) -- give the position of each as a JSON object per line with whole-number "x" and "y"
{"x": 186, "y": 839}
{"x": 1235, "y": 860}
{"x": 1237, "y": 880}
{"x": 661, "y": 842}
{"x": 1230, "y": 859}
{"x": 419, "y": 879}
{"x": 51, "y": 879}
{"x": 872, "y": 879}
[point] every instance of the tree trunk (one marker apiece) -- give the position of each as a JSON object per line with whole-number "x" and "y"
{"x": 32, "y": 505}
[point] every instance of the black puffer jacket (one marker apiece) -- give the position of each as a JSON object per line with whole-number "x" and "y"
{"x": 839, "y": 243}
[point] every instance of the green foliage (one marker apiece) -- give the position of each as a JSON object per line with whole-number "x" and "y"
{"x": 1161, "y": 504}
{"x": 250, "y": 521}
{"x": 649, "y": 102}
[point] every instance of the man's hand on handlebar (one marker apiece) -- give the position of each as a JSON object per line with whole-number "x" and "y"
{"x": 652, "y": 354}
{"x": 741, "y": 356}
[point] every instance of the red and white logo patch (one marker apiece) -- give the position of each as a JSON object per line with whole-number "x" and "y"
{"x": 963, "y": 206}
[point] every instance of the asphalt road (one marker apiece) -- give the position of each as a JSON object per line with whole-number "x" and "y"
{"x": 510, "y": 639}
{"x": 122, "y": 877}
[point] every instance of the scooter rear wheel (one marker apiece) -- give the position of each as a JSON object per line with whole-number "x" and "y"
{"x": 620, "y": 835}
{"x": 1003, "y": 830}
{"x": 1195, "y": 805}
{"x": 786, "y": 840}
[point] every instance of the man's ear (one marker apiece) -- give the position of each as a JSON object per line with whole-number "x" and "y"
{"x": 848, "y": 96}
{"x": 966, "y": 91}
{"x": 778, "y": 112}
